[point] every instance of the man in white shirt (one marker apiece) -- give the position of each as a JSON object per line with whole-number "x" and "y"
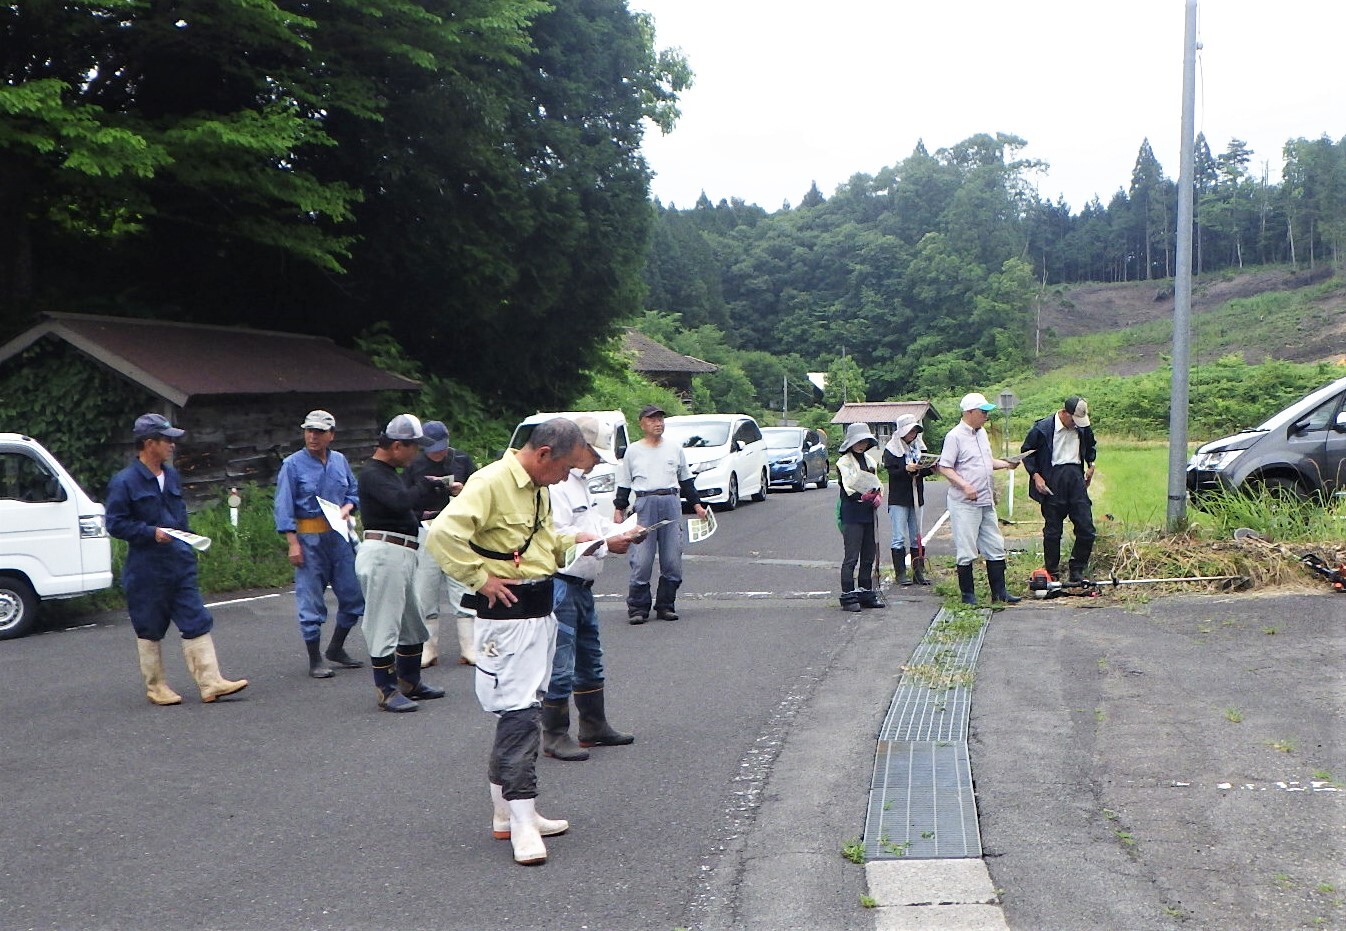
{"x": 967, "y": 462}
{"x": 1060, "y": 463}
{"x": 577, "y": 665}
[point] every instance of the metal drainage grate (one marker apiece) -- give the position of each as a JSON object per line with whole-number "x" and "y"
{"x": 921, "y": 803}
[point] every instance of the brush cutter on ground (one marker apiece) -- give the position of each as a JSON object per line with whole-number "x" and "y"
{"x": 1042, "y": 585}
{"x": 1335, "y": 575}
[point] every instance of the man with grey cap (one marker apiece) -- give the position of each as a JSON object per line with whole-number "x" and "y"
{"x": 433, "y": 481}
{"x": 1060, "y": 463}
{"x": 144, "y": 503}
{"x": 577, "y": 666}
{"x": 967, "y": 462}
{"x": 386, "y": 568}
{"x": 322, "y": 556}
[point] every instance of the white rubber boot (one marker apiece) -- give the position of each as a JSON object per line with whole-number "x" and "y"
{"x": 205, "y": 669}
{"x": 523, "y": 832}
{"x": 430, "y": 652}
{"x": 467, "y": 647}
{"x": 547, "y": 827}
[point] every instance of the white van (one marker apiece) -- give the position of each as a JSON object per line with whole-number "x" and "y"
{"x": 726, "y": 453}
{"x": 53, "y": 542}
{"x": 613, "y": 438}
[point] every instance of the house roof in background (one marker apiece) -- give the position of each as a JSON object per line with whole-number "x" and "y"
{"x": 884, "y": 411}
{"x": 653, "y": 356}
{"x": 179, "y": 361}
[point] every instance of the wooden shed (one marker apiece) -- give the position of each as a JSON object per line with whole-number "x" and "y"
{"x": 662, "y": 365}
{"x": 240, "y": 394}
{"x": 881, "y": 416}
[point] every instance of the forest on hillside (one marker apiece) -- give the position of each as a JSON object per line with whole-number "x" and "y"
{"x": 926, "y": 273}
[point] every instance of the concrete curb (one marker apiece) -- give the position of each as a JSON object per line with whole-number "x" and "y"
{"x": 934, "y": 895}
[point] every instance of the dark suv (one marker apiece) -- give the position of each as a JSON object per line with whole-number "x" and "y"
{"x": 1300, "y": 452}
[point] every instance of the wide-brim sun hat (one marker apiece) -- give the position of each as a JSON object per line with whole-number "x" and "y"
{"x": 855, "y": 433}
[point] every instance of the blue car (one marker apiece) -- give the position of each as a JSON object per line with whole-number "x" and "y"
{"x": 796, "y": 456}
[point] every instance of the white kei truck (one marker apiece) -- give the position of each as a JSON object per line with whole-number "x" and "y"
{"x": 53, "y": 540}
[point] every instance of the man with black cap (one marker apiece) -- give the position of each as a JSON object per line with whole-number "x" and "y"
{"x": 386, "y": 568}
{"x": 655, "y": 471}
{"x": 1060, "y": 462}
{"x": 144, "y": 502}
{"x": 321, "y": 554}
{"x": 433, "y": 481}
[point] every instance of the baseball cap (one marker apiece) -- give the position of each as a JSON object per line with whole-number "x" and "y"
{"x": 437, "y": 432}
{"x": 148, "y": 425}
{"x": 318, "y": 420}
{"x": 975, "y": 402}
{"x": 592, "y": 430}
{"x": 407, "y": 428}
{"x": 652, "y": 410}
{"x": 1078, "y": 409}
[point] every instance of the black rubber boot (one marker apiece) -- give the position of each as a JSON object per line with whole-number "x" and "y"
{"x": 870, "y": 598}
{"x": 638, "y": 604}
{"x": 409, "y": 674}
{"x": 995, "y": 574}
{"x": 967, "y": 586}
{"x": 594, "y": 729}
{"x": 556, "y": 740}
{"x": 918, "y": 568}
{"x": 316, "y": 667}
{"x": 665, "y": 596}
{"x": 336, "y": 650}
{"x": 385, "y": 680}
{"x": 900, "y": 568}
{"x": 850, "y": 601}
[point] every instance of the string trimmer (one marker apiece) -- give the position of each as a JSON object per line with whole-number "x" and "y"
{"x": 1043, "y": 585}
{"x": 1335, "y": 575}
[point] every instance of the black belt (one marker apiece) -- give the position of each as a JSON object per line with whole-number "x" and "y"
{"x": 387, "y": 536}
{"x": 575, "y": 580}
{"x": 535, "y": 600}
{"x": 657, "y": 491}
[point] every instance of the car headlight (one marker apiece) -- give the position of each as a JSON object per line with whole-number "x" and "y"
{"x": 1217, "y": 461}
{"x": 603, "y": 484}
{"x": 788, "y": 461}
{"x": 91, "y": 527}
{"x": 706, "y": 466}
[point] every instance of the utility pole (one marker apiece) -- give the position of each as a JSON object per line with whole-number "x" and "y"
{"x": 1182, "y": 287}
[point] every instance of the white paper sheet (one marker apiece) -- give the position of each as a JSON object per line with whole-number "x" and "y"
{"x": 333, "y": 514}
{"x": 194, "y": 540}
{"x": 698, "y": 530}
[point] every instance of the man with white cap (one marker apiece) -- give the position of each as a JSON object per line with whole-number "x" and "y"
{"x": 386, "y": 568}
{"x": 967, "y": 462}
{"x": 321, "y": 555}
{"x": 1060, "y": 463}
{"x": 434, "y": 481}
{"x": 577, "y": 666}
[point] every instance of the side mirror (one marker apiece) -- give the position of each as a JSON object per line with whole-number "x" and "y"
{"x": 738, "y": 446}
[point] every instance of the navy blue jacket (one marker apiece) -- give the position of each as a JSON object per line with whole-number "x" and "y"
{"x": 1039, "y": 439}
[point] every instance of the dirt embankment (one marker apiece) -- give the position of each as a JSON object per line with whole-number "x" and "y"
{"x": 1093, "y": 308}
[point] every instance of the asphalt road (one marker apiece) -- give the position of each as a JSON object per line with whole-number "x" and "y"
{"x": 300, "y": 805}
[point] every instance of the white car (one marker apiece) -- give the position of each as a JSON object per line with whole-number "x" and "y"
{"x": 612, "y": 441}
{"x": 726, "y": 453}
{"x": 53, "y": 541}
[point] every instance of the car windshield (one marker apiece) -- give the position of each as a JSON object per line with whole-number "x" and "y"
{"x": 783, "y": 438}
{"x": 697, "y": 433}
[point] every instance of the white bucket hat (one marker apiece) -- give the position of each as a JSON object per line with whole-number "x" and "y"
{"x": 854, "y": 434}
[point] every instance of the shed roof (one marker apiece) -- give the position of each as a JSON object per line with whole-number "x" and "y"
{"x": 653, "y": 356}
{"x": 884, "y": 411}
{"x": 179, "y": 361}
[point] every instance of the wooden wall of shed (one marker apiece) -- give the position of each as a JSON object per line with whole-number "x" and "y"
{"x": 231, "y": 441}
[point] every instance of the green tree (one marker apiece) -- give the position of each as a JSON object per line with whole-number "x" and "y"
{"x": 845, "y": 382}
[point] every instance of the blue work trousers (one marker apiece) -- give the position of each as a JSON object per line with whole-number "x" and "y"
{"x": 667, "y": 540}
{"x": 905, "y": 525}
{"x": 160, "y": 589}
{"x": 578, "y": 661}
{"x": 329, "y": 559}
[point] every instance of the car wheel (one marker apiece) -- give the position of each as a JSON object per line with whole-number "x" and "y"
{"x": 762, "y": 491}
{"x": 18, "y": 607}
{"x": 801, "y": 479}
{"x": 731, "y": 499}
{"x": 1285, "y": 492}
{"x": 822, "y": 482}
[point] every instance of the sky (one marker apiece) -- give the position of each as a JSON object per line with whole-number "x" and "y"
{"x": 791, "y": 92}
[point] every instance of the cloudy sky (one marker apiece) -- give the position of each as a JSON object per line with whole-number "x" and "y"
{"x": 789, "y": 92}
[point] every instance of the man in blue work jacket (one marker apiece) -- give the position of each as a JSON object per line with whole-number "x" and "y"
{"x": 320, "y": 554}
{"x": 144, "y": 502}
